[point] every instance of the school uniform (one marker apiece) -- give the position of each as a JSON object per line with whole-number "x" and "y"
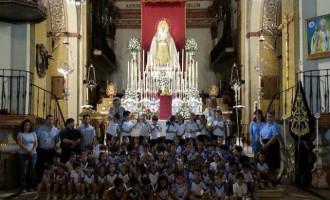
{"x": 189, "y": 127}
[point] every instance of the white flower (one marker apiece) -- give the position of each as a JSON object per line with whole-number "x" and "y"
{"x": 184, "y": 112}
{"x": 134, "y": 45}
{"x": 130, "y": 93}
{"x": 192, "y": 93}
{"x": 191, "y": 45}
{"x": 163, "y": 82}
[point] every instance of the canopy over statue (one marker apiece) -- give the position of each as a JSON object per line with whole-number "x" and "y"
{"x": 163, "y": 50}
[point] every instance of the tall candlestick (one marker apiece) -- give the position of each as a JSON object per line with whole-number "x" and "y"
{"x": 182, "y": 59}
{"x": 128, "y": 75}
{"x": 197, "y": 75}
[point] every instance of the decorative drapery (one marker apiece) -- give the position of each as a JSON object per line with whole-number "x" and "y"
{"x": 156, "y": 10}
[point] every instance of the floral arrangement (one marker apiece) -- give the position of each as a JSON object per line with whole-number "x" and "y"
{"x": 192, "y": 93}
{"x": 163, "y": 83}
{"x": 134, "y": 45}
{"x": 191, "y": 45}
{"x": 130, "y": 93}
{"x": 184, "y": 112}
{"x": 150, "y": 112}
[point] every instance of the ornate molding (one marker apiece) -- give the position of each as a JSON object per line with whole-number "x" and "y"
{"x": 270, "y": 13}
{"x": 199, "y": 22}
{"x": 57, "y": 15}
{"x": 127, "y": 23}
{"x": 190, "y": 23}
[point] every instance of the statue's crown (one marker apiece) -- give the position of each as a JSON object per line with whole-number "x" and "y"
{"x": 163, "y": 22}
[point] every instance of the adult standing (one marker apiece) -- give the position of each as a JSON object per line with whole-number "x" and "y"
{"x": 28, "y": 142}
{"x": 209, "y": 113}
{"x": 116, "y": 108}
{"x": 269, "y": 134}
{"x": 47, "y": 140}
{"x": 70, "y": 139}
{"x": 87, "y": 131}
{"x": 255, "y": 126}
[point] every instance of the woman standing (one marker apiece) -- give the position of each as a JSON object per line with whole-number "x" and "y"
{"x": 255, "y": 127}
{"x": 269, "y": 142}
{"x": 27, "y": 141}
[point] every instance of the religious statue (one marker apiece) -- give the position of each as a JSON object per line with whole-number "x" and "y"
{"x": 320, "y": 40}
{"x": 162, "y": 50}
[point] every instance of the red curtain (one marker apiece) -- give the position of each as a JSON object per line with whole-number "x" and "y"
{"x": 174, "y": 12}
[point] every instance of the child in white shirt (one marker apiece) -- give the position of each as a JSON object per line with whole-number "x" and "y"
{"x": 171, "y": 130}
{"x": 154, "y": 130}
{"x": 218, "y": 125}
{"x": 76, "y": 178}
{"x": 240, "y": 188}
{"x": 191, "y": 127}
{"x": 113, "y": 128}
{"x": 89, "y": 182}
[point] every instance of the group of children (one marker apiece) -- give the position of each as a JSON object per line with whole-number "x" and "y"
{"x": 184, "y": 164}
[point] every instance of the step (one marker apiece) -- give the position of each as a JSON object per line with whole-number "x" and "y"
{"x": 276, "y": 193}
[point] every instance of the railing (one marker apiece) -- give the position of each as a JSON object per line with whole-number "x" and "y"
{"x": 14, "y": 91}
{"x": 46, "y": 103}
{"x": 316, "y": 84}
{"x": 282, "y": 99}
{"x": 19, "y": 96}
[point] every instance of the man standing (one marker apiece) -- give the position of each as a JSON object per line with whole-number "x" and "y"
{"x": 87, "y": 132}
{"x": 70, "y": 140}
{"x": 47, "y": 139}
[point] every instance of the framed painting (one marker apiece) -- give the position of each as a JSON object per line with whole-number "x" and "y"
{"x": 317, "y": 37}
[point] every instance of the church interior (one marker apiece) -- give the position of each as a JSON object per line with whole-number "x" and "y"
{"x": 242, "y": 79}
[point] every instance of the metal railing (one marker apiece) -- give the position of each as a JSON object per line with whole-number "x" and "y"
{"x": 14, "y": 91}
{"x": 46, "y": 103}
{"x": 19, "y": 96}
{"x": 282, "y": 99}
{"x": 316, "y": 84}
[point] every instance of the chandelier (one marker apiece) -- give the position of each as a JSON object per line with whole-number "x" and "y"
{"x": 66, "y": 68}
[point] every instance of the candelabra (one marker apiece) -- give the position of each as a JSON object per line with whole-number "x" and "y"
{"x": 236, "y": 86}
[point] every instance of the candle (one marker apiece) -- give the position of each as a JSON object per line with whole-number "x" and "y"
{"x": 128, "y": 74}
{"x": 182, "y": 58}
{"x": 87, "y": 95}
{"x": 197, "y": 75}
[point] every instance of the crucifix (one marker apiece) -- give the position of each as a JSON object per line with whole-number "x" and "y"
{"x": 285, "y": 27}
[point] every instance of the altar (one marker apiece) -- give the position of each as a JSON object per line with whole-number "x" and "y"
{"x": 162, "y": 73}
